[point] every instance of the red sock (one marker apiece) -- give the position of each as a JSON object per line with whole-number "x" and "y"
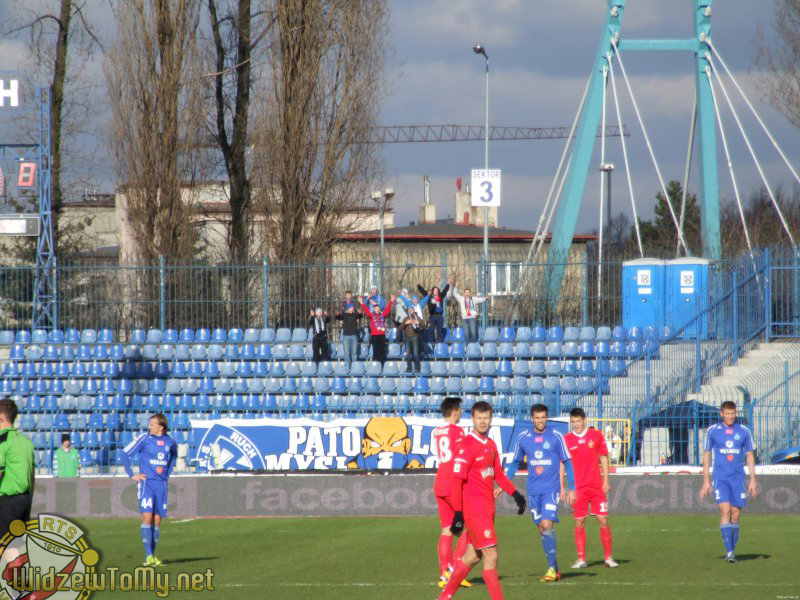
{"x": 459, "y": 573}
{"x": 445, "y": 552}
{"x": 605, "y": 539}
{"x": 493, "y": 584}
{"x": 580, "y": 542}
{"x": 461, "y": 547}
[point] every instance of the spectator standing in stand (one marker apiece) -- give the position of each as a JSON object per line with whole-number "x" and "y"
{"x": 412, "y": 331}
{"x": 349, "y": 318}
{"x": 319, "y": 324}
{"x": 435, "y": 301}
{"x": 375, "y": 298}
{"x": 467, "y": 305}
{"x": 377, "y": 328}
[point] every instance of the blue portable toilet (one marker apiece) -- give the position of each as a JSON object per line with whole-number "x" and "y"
{"x": 643, "y": 293}
{"x": 688, "y": 291}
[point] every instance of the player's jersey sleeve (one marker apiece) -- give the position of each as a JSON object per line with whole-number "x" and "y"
{"x": 561, "y": 447}
{"x": 748, "y": 440}
{"x": 519, "y": 449}
{"x": 173, "y": 456}
{"x": 709, "y": 445}
{"x": 499, "y": 476}
{"x": 130, "y": 451}
{"x": 462, "y": 462}
{"x": 602, "y": 446}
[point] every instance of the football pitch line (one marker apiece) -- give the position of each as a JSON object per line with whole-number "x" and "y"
{"x": 388, "y": 584}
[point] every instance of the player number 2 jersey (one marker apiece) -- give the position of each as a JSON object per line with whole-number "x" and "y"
{"x": 478, "y": 465}
{"x": 544, "y": 453}
{"x": 586, "y": 450}
{"x": 446, "y": 441}
{"x": 728, "y": 446}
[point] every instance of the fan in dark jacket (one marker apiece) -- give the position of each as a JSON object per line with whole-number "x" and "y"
{"x": 436, "y": 310}
{"x": 349, "y": 318}
{"x": 319, "y": 324}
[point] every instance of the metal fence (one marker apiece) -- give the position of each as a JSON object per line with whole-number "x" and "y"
{"x": 121, "y": 298}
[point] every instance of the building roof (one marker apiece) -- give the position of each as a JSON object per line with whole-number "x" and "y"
{"x": 449, "y": 231}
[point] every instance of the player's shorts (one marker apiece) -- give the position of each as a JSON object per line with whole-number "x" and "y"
{"x": 732, "y": 492}
{"x": 480, "y": 530}
{"x": 446, "y": 512}
{"x": 544, "y": 507}
{"x": 14, "y": 508}
{"x": 590, "y": 501}
{"x": 153, "y": 497}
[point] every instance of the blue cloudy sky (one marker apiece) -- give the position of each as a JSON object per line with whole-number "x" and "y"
{"x": 541, "y": 54}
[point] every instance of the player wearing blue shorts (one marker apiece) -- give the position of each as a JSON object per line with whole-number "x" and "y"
{"x": 544, "y": 451}
{"x": 157, "y": 453}
{"x": 730, "y": 444}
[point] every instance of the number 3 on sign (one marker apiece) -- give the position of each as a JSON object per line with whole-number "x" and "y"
{"x": 485, "y": 187}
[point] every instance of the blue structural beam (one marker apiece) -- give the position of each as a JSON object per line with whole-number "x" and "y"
{"x": 707, "y": 126}
{"x": 570, "y": 201}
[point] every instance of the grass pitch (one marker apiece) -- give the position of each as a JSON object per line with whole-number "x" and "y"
{"x": 382, "y": 558}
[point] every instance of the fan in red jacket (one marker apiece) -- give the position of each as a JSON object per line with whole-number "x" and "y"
{"x": 377, "y": 327}
{"x": 477, "y": 467}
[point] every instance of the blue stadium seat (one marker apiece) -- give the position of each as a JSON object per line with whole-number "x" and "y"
{"x": 374, "y": 368}
{"x": 569, "y": 368}
{"x": 635, "y": 348}
{"x": 619, "y": 349}
{"x": 23, "y": 337}
{"x": 181, "y": 352}
{"x": 421, "y": 385}
{"x": 505, "y": 350}
{"x": 440, "y": 368}
{"x": 51, "y": 353}
{"x": 186, "y": 336}
{"x": 6, "y": 337}
{"x": 325, "y": 368}
{"x": 235, "y": 336}
{"x": 539, "y": 349}
{"x": 457, "y": 350}
{"x": 473, "y": 350}
{"x": 39, "y": 336}
{"x": 339, "y": 385}
{"x": 34, "y": 352}
{"x": 569, "y": 349}
{"x": 553, "y": 367}
{"x": 437, "y": 385}
{"x": 535, "y": 383}
{"x": 555, "y": 334}
{"x": 490, "y": 334}
{"x": 603, "y": 334}
{"x": 504, "y": 368}
{"x": 455, "y": 335}
{"x": 244, "y": 369}
{"x": 571, "y": 334}
{"x": 488, "y": 368}
{"x": 154, "y": 336}
{"x": 170, "y": 336}
{"x": 636, "y": 334}
{"x": 586, "y": 349}
{"x": 489, "y": 350}
{"x": 520, "y": 367}
{"x": 202, "y": 336}
{"x": 440, "y": 351}
{"x": 371, "y": 385}
{"x": 391, "y": 369}
{"x": 299, "y": 334}
{"x": 587, "y": 334}
{"x": 355, "y": 385}
{"x": 387, "y": 385}
{"x": 586, "y": 368}
{"x": 553, "y": 349}
{"x": 17, "y": 352}
{"x": 552, "y": 383}
{"x": 620, "y": 334}
{"x": 219, "y": 336}
{"x": 472, "y": 368}
{"x": 231, "y": 352}
{"x": 283, "y": 335}
{"x": 395, "y": 351}
{"x": 469, "y": 384}
{"x": 453, "y": 385}
{"x": 486, "y": 385}
{"x": 293, "y": 369}
{"x": 266, "y": 335}
{"x": 248, "y": 352}
{"x": 602, "y": 348}
{"x": 263, "y": 351}
{"x": 508, "y": 334}
{"x": 569, "y": 385}
{"x": 11, "y": 370}
{"x": 519, "y": 384}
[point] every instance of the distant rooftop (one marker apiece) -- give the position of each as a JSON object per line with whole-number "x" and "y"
{"x": 446, "y": 230}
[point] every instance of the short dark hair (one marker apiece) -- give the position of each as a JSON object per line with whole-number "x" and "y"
{"x": 538, "y": 408}
{"x": 728, "y": 404}
{"x": 161, "y": 419}
{"x": 481, "y": 406}
{"x": 577, "y": 412}
{"x": 65, "y": 438}
{"x": 450, "y": 404}
{"x": 8, "y": 408}
{"x": 348, "y": 292}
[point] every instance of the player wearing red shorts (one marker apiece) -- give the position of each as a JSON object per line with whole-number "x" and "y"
{"x": 445, "y": 441}
{"x": 477, "y": 467}
{"x": 589, "y": 452}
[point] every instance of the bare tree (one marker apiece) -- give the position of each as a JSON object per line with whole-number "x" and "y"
{"x": 61, "y": 42}
{"x": 780, "y": 55}
{"x": 327, "y": 61}
{"x": 153, "y": 89}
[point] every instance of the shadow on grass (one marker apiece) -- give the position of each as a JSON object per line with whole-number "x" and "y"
{"x": 178, "y": 561}
{"x": 741, "y": 557}
{"x": 600, "y": 563}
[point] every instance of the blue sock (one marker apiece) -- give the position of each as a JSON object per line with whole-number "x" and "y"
{"x": 155, "y": 539}
{"x": 725, "y": 530}
{"x": 549, "y": 545}
{"x": 147, "y": 539}
{"x": 734, "y": 535}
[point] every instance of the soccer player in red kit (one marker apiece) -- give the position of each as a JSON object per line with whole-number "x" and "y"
{"x": 445, "y": 441}
{"x": 589, "y": 452}
{"x": 477, "y": 467}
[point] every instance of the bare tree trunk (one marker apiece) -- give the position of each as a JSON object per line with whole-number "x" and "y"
{"x": 56, "y": 104}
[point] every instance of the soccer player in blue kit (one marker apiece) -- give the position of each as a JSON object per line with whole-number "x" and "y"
{"x": 157, "y": 453}
{"x": 544, "y": 450}
{"x": 730, "y": 443}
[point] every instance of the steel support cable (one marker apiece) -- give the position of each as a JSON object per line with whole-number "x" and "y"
{"x": 752, "y": 153}
{"x": 687, "y": 168}
{"x": 602, "y": 190}
{"x": 649, "y": 146}
{"x": 752, "y": 109}
{"x": 730, "y": 167}
{"x": 627, "y": 165}
{"x": 548, "y": 210}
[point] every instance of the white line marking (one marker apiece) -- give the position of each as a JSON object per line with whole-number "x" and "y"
{"x": 183, "y": 521}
